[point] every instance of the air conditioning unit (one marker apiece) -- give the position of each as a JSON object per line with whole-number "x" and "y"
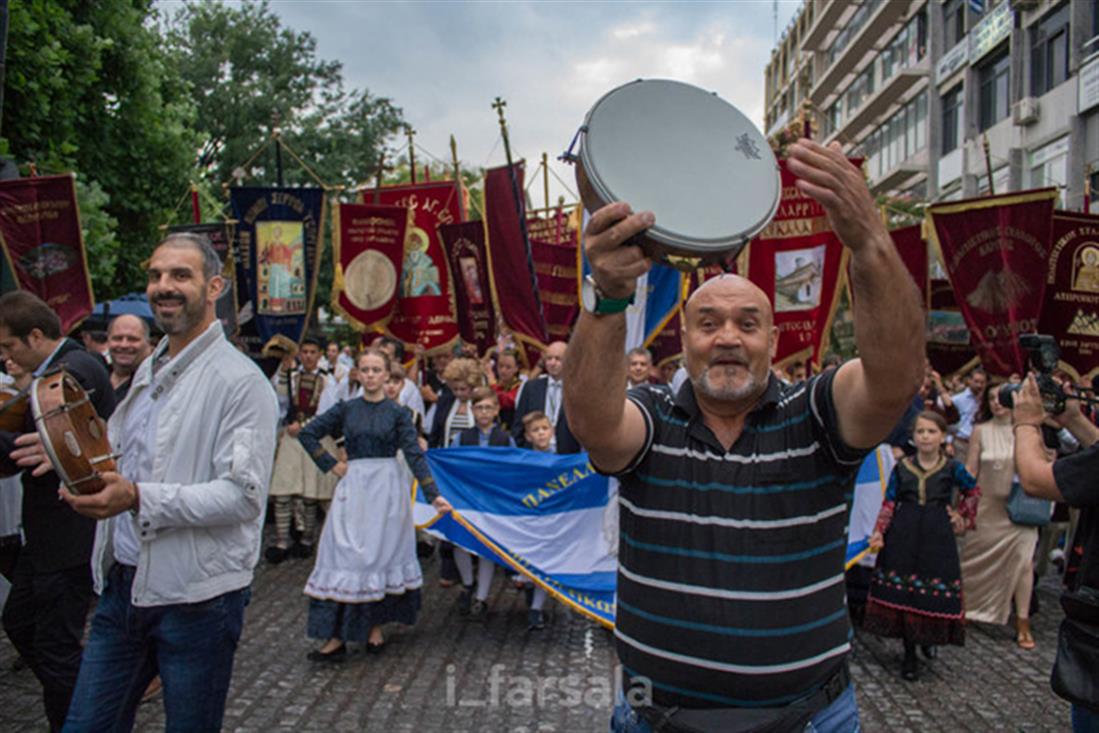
{"x": 1025, "y": 111}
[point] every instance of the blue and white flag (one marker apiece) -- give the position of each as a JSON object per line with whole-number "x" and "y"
{"x": 540, "y": 514}
{"x": 870, "y": 485}
{"x": 977, "y": 6}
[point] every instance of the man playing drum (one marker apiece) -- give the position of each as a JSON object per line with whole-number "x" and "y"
{"x": 731, "y": 612}
{"x": 52, "y": 588}
{"x": 174, "y": 559}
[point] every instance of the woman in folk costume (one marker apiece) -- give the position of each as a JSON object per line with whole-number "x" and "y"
{"x": 916, "y": 589}
{"x": 366, "y": 572}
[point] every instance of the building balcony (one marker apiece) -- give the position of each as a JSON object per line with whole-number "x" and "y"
{"x": 903, "y": 175}
{"x": 829, "y": 15}
{"x": 883, "y": 102}
{"x": 873, "y": 32}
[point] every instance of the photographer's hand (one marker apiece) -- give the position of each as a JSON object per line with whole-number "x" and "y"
{"x": 1032, "y": 463}
{"x": 1075, "y": 420}
{"x": 1028, "y": 409}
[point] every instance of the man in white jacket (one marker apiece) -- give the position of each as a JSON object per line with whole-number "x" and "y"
{"x": 174, "y": 556}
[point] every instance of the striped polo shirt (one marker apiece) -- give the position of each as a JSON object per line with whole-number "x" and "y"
{"x": 730, "y": 580}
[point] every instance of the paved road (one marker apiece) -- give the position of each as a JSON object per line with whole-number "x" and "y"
{"x": 440, "y": 675}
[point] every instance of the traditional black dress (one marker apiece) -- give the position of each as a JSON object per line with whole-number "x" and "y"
{"x": 916, "y": 589}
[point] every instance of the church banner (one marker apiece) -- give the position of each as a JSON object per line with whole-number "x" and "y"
{"x": 425, "y": 312}
{"x": 465, "y": 248}
{"x": 554, "y": 245}
{"x": 220, "y": 236}
{"x": 949, "y": 346}
{"x": 995, "y": 251}
{"x": 913, "y": 251}
{"x": 511, "y": 264}
{"x": 368, "y": 255}
{"x": 278, "y": 231}
{"x": 43, "y": 244}
{"x": 548, "y": 517}
{"x": 801, "y": 265}
{"x": 1071, "y": 310}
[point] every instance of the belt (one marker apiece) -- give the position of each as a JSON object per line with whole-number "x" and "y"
{"x": 792, "y": 717}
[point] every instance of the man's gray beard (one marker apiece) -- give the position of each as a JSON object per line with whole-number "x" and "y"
{"x": 726, "y": 394}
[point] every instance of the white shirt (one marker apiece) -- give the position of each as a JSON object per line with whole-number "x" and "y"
{"x": 967, "y": 404}
{"x": 410, "y": 396}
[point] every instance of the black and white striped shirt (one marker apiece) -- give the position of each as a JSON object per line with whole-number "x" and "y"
{"x": 731, "y": 581}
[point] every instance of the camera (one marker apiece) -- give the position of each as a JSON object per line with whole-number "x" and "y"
{"x": 1043, "y": 356}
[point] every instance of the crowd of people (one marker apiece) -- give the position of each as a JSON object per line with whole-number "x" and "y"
{"x": 732, "y": 481}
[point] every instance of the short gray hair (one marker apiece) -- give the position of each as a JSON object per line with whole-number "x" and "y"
{"x": 211, "y": 263}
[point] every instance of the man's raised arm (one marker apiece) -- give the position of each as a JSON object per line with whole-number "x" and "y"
{"x": 609, "y": 427}
{"x": 872, "y": 392}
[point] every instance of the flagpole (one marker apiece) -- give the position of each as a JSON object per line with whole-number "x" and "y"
{"x": 411, "y": 152}
{"x": 499, "y": 105}
{"x": 545, "y": 179}
{"x": 1087, "y": 189}
{"x": 988, "y": 166}
{"x": 457, "y": 176}
{"x": 276, "y": 134}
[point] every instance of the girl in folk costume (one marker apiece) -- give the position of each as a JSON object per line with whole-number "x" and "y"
{"x": 916, "y": 589}
{"x": 366, "y": 572}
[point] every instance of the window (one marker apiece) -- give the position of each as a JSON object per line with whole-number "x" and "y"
{"x": 907, "y": 47}
{"x": 994, "y": 84}
{"x": 953, "y": 107}
{"x": 861, "y": 88}
{"x": 899, "y": 138}
{"x": 953, "y": 23}
{"x": 1049, "y": 51}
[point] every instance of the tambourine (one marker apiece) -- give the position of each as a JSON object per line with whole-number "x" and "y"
{"x": 73, "y": 435}
{"x": 685, "y": 154}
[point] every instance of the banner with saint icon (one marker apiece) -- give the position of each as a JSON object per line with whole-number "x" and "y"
{"x": 43, "y": 244}
{"x": 368, "y": 256}
{"x": 465, "y": 248}
{"x": 1071, "y": 310}
{"x": 995, "y": 250}
{"x": 220, "y": 236}
{"x": 278, "y": 231}
{"x": 801, "y": 265}
{"x": 425, "y": 312}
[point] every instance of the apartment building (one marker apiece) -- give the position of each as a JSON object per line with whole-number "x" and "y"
{"x": 916, "y": 87}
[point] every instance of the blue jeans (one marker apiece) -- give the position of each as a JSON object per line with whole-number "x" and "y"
{"x": 191, "y": 646}
{"x": 1084, "y": 721}
{"x": 842, "y": 716}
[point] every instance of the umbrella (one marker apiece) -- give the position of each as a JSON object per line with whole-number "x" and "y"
{"x": 134, "y": 304}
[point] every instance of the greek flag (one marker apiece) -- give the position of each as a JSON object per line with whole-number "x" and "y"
{"x": 865, "y": 503}
{"x": 545, "y": 516}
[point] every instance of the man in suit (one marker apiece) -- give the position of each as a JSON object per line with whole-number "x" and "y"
{"x": 545, "y": 394}
{"x": 52, "y": 586}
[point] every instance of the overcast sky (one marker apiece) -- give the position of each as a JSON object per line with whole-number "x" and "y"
{"x": 444, "y": 62}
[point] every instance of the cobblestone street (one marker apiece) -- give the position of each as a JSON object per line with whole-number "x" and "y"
{"x": 439, "y": 676}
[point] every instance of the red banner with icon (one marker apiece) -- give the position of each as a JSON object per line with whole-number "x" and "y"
{"x": 1071, "y": 309}
{"x": 425, "y": 298}
{"x": 995, "y": 250}
{"x": 465, "y": 248}
{"x": 801, "y": 265}
{"x": 368, "y": 257}
{"x": 554, "y": 244}
{"x": 42, "y": 242}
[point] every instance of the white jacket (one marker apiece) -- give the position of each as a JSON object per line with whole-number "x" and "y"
{"x": 201, "y": 512}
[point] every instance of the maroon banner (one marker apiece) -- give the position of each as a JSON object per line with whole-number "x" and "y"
{"x": 425, "y": 297}
{"x": 41, "y": 238}
{"x": 912, "y": 248}
{"x": 1071, "y": 310}
{"x": 514, "y": 288}
{"x": 948, "y": 344}
{"x": 555, "y": 247}
{"x": 465, "y": 248}
{"x": 368, "y": 257}
{"x": 799, "y": 262}
{"x": 995, "y": 251}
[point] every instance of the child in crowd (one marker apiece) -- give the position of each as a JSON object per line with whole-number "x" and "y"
{"x": 485, "y": 432}
{"x": 539, "y": 434}
{"x": 394, "y": 383}
{"x": 916, "y": 589}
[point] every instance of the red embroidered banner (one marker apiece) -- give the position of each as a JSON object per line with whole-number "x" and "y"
{"x": 425, "y": 298}
{"x": 913, "y": 251}
{"x": 465, "y": 248}
{"x": 801, "y": 265}
{"x": 995, "y": 251}
{"x": 41, "y": 238}
{"x": 368, "y": 257}
{"x": 948, "y": 343}
{"x": 1071, "y": 310}
{"x": 554, "y": 245}
{"x": 514, "y": 287}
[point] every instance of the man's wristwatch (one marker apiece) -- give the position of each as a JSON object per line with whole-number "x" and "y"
{"x": 595, "y": 301}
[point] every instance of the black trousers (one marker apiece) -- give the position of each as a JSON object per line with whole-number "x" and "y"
{"x": 44, "y": 618}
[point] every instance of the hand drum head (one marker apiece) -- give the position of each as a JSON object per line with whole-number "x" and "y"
{"x": 73, "y": 435}
{"x": 688, "y": 156}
